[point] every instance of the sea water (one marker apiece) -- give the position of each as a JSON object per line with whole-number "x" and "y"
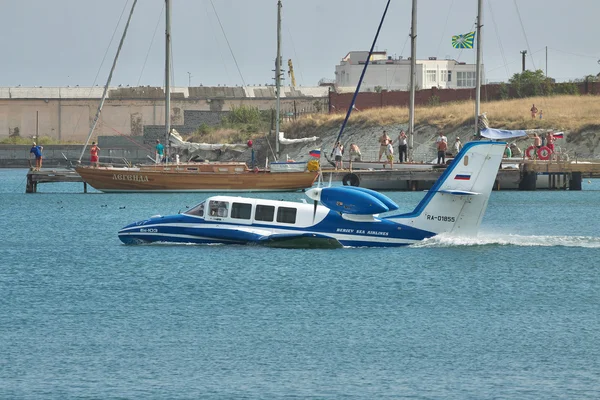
{"x": 511, "y": 314}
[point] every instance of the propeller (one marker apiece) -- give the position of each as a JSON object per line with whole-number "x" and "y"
{"x": 315, "y": 195}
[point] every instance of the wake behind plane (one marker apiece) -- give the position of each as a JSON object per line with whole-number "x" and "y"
{"x": 338, "y": 216}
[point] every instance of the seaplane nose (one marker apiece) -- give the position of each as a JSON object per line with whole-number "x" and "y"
{"x": 314, "y": 194}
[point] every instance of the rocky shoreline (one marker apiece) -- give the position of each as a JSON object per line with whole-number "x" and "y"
{"x": 581, "y": 145}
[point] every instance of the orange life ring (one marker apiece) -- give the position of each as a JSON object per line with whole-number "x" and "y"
{"x": 544, "y": 153}
{"x": 530, "y": 152}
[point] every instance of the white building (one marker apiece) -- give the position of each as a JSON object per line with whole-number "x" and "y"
{"x": 394, "y": 74}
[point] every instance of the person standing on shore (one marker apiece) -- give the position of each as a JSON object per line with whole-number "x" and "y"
{"x": 442, "y": 145}
{"x": 534, "y": 111}
{"x": 160, "y": 151}
{"x": 389, "y": 154}
{"x": 338, "y": 151}
{"x": 457, "y": 146}
{"x": 537, "y": 141}
{"x": 355, "y": 154}
{"x": 37, "y": 152}
{"x": 402, "y": 147}
{"x": 94, "y": 157}
{"x": 383, "y": 142}
{"x": 550, "y": 141}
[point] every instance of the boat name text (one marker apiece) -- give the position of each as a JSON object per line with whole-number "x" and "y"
{"x": 123, "y": 177}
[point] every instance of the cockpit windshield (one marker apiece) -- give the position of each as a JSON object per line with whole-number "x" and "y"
{"x": 197, "y": 210}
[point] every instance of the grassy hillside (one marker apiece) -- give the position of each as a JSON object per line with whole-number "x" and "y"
{"x": 570, "y": 113}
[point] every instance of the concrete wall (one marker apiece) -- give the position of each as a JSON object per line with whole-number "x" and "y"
{"x": 12, "y": 156}
{"x": 128, "y": 110}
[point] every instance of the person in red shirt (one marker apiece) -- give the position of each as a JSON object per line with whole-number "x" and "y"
{"x": 94, "y": 158}
{"x": 550, "y": 141}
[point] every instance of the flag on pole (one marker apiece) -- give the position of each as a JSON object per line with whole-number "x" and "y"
{"x": 463, "y": 41}
{"x": 315, "y": 153}
{"x": 559, "y": 135}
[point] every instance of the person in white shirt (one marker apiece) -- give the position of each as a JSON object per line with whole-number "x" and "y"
{"x": 338, "y": 151}
{"x": 442, "y": 145}
{"x": 402, "y": 147}
{"x": 457, "y": 146}
{"x": 389, "y": 153}
{"x": 383, "y": 142}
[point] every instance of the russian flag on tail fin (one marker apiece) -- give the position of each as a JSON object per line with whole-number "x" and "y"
{"x": 462, "y": 177}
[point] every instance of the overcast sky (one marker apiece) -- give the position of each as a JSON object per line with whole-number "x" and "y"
{"x": 63, "y": 42}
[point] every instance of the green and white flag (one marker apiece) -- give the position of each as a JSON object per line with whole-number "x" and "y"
{"x": 463, "y": 41}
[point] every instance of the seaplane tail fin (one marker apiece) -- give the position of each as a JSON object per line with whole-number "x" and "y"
{"x": 457, "y": 201}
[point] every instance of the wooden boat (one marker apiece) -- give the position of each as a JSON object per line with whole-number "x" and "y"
{"x": 194, "y": 177}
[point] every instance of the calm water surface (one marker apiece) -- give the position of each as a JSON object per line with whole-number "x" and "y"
{"x": 512, "y": 314}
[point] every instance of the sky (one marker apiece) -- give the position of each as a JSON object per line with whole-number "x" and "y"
{"x": 68, "y": 42}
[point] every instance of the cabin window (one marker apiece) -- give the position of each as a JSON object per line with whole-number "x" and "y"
{"x": 198, "y": 210}
{"x": 286, "y": 215}
{"x": 264, "y": 213}
{"x": 241, "y": 210}
{"x": 219, "y": 209}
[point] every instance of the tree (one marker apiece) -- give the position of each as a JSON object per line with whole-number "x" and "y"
{"x": 532, "y": 83}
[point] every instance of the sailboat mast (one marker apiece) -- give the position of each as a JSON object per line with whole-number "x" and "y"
{"x": 278, "y": 79}
{"x": 167, "y": 74}
{"x": 413, "y": 64}
{"x": 478, "y": 66}
{"x": 105, "y": 92}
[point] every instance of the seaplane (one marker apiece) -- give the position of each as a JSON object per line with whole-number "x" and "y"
{"x": 340, "y": 216}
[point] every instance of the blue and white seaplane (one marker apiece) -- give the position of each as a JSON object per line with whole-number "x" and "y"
{"x": 346, "y": 216}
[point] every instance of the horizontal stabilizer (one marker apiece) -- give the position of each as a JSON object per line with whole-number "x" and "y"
{"x": 459, "y": 192}
{"x": 502, "y": 134}
{"x": 300, "y": 241}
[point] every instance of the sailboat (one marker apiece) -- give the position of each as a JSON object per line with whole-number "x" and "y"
{"x": 188, "y": 177}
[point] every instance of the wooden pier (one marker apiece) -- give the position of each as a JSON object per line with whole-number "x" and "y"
{"x": 51, "y": 176}
{"x": 528, "y": 175}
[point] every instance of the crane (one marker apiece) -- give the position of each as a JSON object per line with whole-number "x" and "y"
{"x": 291, "y": 72}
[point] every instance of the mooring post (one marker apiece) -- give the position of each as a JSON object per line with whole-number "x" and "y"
{"x": 29, "y": 185}
{"x": 575, "y": 182}
{"x": 528, "y": 180}
{"x": 84, "y": 187}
